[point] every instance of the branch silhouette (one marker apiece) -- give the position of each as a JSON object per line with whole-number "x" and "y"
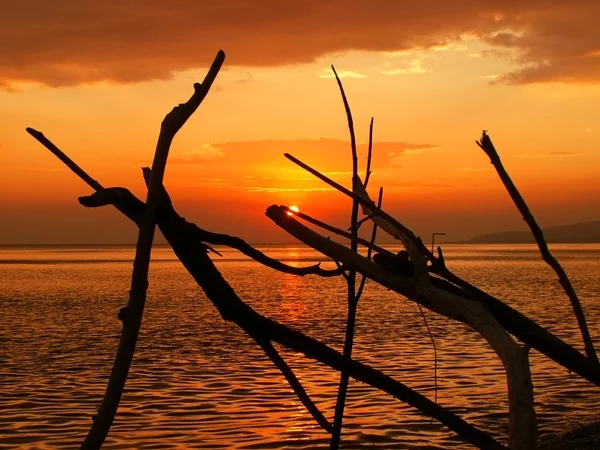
{"x": 485, "y": 143}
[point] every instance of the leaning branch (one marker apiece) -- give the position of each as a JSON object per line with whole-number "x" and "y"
{"x": 520, "y": 391}
{"x": 350, "y": 280}
{"x": 488, "y": 147}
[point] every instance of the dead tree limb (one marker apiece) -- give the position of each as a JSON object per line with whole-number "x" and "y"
{"x": 258, "y": 256}
{"x": 182, "y": 236}
{"x": 131, "y": 315}
{"x": 488, "y": 147}
{"x": 523, "y": 424}
{"x": 192, "y": 253}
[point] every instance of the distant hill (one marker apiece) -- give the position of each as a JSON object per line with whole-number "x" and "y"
{"x": 579, "y": 232}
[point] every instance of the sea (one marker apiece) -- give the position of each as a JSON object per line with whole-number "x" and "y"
{"x": 198, "y": 382}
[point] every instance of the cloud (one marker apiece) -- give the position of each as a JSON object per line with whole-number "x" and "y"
{"x": 260, "y": 166}
{"x": 471, "y": 169}
{"x": 549, "y": 155}
{"x": 69, "y": 42}
{"x": 341, "y": 73}
{"x": 331, "y": 155}
{"x": 563, "y": 153}
{"x": 206, "y": 153}
{"x": 414, "y": 66}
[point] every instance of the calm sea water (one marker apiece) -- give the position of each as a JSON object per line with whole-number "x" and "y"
{"x": 198, "y": 382}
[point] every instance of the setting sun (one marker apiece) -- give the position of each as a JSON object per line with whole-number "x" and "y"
{"x": 293, "y": 208}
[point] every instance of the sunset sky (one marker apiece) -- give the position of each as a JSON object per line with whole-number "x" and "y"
{"x": 97, "y": 77}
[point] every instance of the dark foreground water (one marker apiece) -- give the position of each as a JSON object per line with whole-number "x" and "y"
{"x": 198, "y": 382}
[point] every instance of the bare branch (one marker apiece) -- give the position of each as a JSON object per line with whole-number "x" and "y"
{"x": 232, "y": 308}
{"x": 351, "y": 281}
{"x": 488, "y": 147}
{"x": 363, "y": 280}
{"x": 435, "y": 358}
{"x": 522, "y": 421}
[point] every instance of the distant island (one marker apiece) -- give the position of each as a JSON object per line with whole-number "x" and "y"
{"x": 576, "y": 233}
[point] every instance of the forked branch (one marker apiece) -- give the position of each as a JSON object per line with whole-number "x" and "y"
{"x": 131, "y": 315}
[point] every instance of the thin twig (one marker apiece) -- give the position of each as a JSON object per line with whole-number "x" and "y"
{"x": 351, "y": 281}
{"x": 488, "y": 147}
{"x": 369, "y": 155}
{"x": 294, "y": 383}
{"x": 335, "y": 230}
{"x": 435, "y": 359}
{"x": 363, "y": 220}
{"x": 363, "y": 280}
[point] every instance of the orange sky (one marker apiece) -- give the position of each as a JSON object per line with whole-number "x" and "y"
{"x": 97, "y": 77}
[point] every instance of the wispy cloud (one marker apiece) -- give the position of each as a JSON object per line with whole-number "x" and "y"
{"x": 205, "y": 153}
{"x": 342, "y": 74}
{"x": 471, "y": 169}
{"x": 549, "y": 155}
{"x": 415, "y": 66}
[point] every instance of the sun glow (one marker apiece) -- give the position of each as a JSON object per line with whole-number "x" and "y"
{"x": 293, "y": 208}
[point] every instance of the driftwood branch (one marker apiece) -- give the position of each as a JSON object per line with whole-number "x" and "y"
{"x": 488, "y": 147}
{"x": 258, "y": 256}
{"x": 522, "y": 419}
{"x": 449, "y": 296}
{"x": 192, "y": 253}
